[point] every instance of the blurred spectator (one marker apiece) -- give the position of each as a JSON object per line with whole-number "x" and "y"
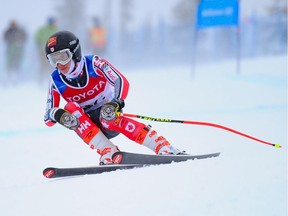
{"x": 15, "y": 38}
{"x": 41, "y": 36}
{"x": 97, "y": 38}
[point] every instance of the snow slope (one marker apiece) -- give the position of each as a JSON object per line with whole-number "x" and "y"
{"x": 249, "y": 178}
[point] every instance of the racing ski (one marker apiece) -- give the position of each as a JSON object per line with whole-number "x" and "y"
{"x": 123, "y": 160}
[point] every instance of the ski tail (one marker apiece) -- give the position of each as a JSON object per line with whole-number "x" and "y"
{"x": 133, "y": 158}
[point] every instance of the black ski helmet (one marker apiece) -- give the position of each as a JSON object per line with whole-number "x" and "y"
{"x": 64, "y": 40}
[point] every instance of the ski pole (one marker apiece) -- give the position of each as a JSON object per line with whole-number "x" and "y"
{"x": 199, "y": 123}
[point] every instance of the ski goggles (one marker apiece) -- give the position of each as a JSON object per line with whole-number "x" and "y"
{"x": 62, "y": 57}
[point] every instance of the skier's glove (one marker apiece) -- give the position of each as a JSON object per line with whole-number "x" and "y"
{"x": 66, "y": 119}
{"x": 111, "y": 110}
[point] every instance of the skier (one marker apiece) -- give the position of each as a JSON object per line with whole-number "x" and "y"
{"x": 95, "y": 92}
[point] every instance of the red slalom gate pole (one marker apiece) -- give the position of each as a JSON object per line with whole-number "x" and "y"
{"x": 200, "y": 123}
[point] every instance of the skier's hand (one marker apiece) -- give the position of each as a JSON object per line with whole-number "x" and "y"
{"x": 66, "y": 119}
{"x": 111, "y": 110}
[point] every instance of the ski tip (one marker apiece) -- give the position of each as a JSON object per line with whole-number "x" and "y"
{"x": 49, "y": 172}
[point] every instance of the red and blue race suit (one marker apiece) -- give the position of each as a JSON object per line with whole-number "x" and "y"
{"x": 98, "y": 83}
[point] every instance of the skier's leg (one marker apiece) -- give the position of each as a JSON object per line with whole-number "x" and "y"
{"x": 140, "y": 133}
{"x": 91, "y": 134}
